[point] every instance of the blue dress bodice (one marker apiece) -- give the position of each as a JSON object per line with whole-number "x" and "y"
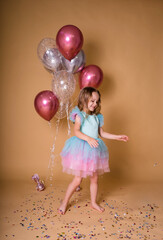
{"x": 89, "y": 123}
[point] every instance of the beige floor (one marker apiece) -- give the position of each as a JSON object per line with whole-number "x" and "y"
{"x": 132, "y": 211}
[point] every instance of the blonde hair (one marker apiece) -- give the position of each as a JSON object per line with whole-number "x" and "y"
{"x": 84, "y": 97}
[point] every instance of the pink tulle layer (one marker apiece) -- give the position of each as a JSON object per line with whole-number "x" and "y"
{"x": 84, "y": 169}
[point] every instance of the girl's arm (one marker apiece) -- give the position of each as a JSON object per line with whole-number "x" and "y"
{"x": 91, "y": 141}
{"x": 112, "y": 136}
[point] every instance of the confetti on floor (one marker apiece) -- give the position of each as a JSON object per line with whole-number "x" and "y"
{"x": 37, "y": 216}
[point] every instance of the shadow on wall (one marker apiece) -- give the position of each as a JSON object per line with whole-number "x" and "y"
{"x": 107, "y": 88}
{"x": 118, "y": 158}
{"x": 119, "y": 151}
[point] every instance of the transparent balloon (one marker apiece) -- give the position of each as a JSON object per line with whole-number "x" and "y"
{"x": 63, "y": 85}
{"x": 63, "y": 110}
{"x": 76, "y": 64}
{"x": 49, "y": 55}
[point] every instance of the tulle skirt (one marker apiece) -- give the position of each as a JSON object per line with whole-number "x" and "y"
{"x": 79, "y": 159}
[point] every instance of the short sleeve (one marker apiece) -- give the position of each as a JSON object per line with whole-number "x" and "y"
{"x": 75, "y": 111}
{"x": 101, "y": 119}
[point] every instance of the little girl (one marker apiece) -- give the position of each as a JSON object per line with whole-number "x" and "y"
{"x": 85, "y": 154}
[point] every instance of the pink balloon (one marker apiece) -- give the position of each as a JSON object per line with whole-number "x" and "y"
{"x": 90, "y": 76}
{"x": 69, "y": 40}
{"x": 46, "y": 104}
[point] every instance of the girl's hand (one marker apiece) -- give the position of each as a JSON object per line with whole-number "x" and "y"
{"x": 92, "y": 142}
{"x": 123, "y": 138}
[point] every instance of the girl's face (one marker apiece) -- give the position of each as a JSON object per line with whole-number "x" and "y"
{"x": 93, "y": 101}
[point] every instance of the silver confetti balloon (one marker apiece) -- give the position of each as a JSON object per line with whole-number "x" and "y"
{"x": 49, "y": 55}
{"x": 76, "y": 64}
{"x": 63, "y": 110}
{"x": 63, "y": 85}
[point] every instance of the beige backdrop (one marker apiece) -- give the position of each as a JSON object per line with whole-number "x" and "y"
{"x": 124, "y": 38}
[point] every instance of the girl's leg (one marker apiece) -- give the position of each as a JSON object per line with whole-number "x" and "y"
{"x": 70, "y": 190}
{"x": 93, "y": 192}
{"x": 78, "y": 188}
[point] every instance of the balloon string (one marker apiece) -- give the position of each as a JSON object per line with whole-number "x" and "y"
{"x": 72, "y": 104}
{"x": 52, "y": 155}
{"x": 68, "y": 119}
{"x": 49, "y": 123}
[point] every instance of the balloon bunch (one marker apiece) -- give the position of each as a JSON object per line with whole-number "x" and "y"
{"x": 63, "y": 58}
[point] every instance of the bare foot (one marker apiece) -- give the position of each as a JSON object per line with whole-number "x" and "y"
{"x": 97, "y": 207}
{"x": 62, "y": 209}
